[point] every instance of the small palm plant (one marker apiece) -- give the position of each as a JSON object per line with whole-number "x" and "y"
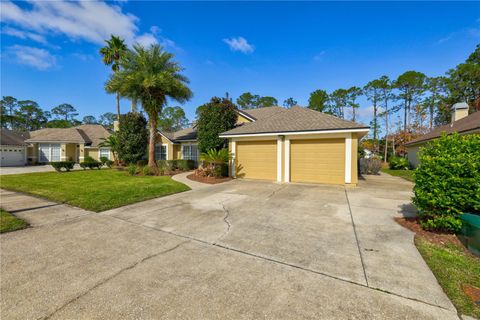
{"x": 113, "y": 143}
{"x": 216, "y": 162}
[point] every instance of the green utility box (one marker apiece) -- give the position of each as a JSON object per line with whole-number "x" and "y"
{"x": 470, "y": 233}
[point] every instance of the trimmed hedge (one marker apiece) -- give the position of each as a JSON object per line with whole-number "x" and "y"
{"x": 59, "y": 165}
{"x": 170, "y": 165}
{"x": 90, "y": 163}
{"x": 447, "y": 181}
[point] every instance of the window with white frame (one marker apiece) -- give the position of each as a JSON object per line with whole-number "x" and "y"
{"x": 104, "y": 152}
{"x": 161, "y": 152}
{"x": 190, "y": 152}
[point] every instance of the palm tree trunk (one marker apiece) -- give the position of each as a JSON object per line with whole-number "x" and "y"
{"x": 118, "y": 107}
{"x": 151, "y": 145}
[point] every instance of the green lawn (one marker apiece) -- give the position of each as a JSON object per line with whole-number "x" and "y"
{"x": 453, "y": 268}
{"x": 8, "y": 222}
{"x": 405, "y": 174}
{"x": 94, "y": 190}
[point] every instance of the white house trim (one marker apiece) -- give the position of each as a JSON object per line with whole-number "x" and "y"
{"x": 287, "y": 159}
{"x": 279, "y": 159}
{"x": 246, "y": 115}
{"x": 294, "y": 133}
{"x": 164, "y": 136}
{"x": 234, "y": 150}
{"x": 348, "y": 159}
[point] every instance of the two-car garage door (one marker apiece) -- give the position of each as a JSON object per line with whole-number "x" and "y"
{"x": 311, "y": 160}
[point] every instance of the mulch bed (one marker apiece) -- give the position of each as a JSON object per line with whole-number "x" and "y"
{"x": 209, "y": 180}
{"x": 439, "y": 238}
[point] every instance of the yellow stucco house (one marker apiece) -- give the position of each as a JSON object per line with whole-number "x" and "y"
{"x": 283, "y": 145}
{"x": 67, "y": 144}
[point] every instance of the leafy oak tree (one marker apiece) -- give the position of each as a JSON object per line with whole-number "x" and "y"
{"x": 214, "y": 117}
{"x": 172, "y": 119}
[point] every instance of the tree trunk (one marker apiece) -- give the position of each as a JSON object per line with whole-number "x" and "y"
{"x": 118, "y": 107}
{"x": 386, "y": 131}
{"x": 134, "y": 105}
{"x": 151, "y": 145}
{"x": 353, "y": 110}
{"x": 375, "y": 142}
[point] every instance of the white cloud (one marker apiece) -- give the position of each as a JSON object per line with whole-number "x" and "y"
{"x": 24, "y": 35}
{"x": 92, "y": 21}
{"x": 239, "y": 44}
{"x": 154, "y": 37}
{"x": 473, "y": 32}
{"x": 40, "y": 59}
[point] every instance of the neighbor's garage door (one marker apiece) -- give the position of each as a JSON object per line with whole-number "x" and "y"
{"x": 257, "y": 160}
{"x": 318, "y": 161}
{"x": 12, "y": 156}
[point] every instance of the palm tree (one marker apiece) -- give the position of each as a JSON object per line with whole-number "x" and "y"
{"x": 112, "y": 143}
{"x": 151, "y": 76}
{"x": 113, "y": 54}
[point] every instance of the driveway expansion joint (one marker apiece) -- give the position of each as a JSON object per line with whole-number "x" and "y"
{"x": 356, "y": 237}
{"x": 253, "y": 255}
{"x": 102, "y": 282}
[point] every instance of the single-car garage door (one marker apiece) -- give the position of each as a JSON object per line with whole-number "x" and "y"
{"x": 317, "y": 161}
{"x": 12, "y": 156}
{"x": 257, "y": 159}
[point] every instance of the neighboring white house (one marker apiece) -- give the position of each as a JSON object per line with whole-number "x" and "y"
{"x": 13, "y": 149}
{"x": 462, "y": 123}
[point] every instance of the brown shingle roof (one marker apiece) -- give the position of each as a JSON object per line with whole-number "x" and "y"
{"x": 295, "y": 119}
{"x": 470, "y": 123}
{"x": 11, "y": 138}
{"x": 92, "y": 134}
{"x": 182, "y": 135}
{"x": 263, "y": 113}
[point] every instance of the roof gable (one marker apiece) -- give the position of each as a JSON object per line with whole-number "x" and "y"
{"x": 93, "y": 134}
{"x": 9, "y": 137}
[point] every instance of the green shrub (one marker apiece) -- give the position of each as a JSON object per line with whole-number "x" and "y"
{"x": 185, "y": 165}
{"x": 147, "y": 171}
{"x": 142, "y": 163}
{"x": 88, "y": 159}
{"x": 132, "y": 169}
{"x": 103, "y": 160}
{"x": 447, "y": 181}
{"x": 398, "y": 163}
{"x": 91, "y": 164}
{"x": 59, "y": 165}
{"x": 370, "y": 166}
{"x": 133, "y": 137}
{"x": 109, "y": 163}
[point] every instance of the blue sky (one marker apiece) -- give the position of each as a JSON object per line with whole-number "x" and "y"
{"x": 283, "y": 49}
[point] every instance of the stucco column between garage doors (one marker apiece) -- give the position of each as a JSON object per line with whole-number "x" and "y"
{"x": 324, "y": 158}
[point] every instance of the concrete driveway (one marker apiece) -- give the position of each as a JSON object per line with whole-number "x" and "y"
{"x": 239, "y": 250}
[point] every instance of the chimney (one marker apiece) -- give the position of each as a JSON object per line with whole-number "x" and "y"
{"x": 116, "y": 125}
{"x": 459, "y": 111}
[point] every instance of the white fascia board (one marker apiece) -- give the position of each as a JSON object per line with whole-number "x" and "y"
{"x": 160, "y": 132}
{"x": 294, "y": 133}
{"x": 243, "y": 114}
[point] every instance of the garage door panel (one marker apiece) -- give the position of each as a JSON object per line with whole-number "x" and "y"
{"x": 12, "y": 156}
{"x": 318, "y": 161}
{"x": 257, "y": 160}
